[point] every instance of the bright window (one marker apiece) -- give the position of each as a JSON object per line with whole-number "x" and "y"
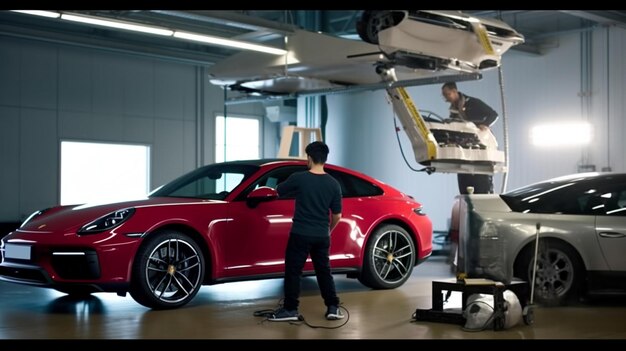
{"x": 564, "y": 134}
{"x": 103, "y": 172}
{"x": 237, "y": 139}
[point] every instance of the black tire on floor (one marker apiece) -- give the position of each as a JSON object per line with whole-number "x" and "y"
{"x": 168, "y": 271}
{"x": 389, "y": 258}
{"x": 559, "y": 274}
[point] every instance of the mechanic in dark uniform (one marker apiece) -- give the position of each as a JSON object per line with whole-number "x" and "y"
{"x": 475, "y": 110}
{"x": 317, "y": 212}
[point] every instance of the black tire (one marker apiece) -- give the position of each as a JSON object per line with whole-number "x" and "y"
{"x": 168, "y": 271}
{"x": 389, "y": 258}
{"x": 372, "y": 22}
{"x": 559, "y": 272}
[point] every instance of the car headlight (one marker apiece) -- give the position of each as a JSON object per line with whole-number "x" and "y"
{"x": 32, "y": 216}
{"x": 107, "y": 222}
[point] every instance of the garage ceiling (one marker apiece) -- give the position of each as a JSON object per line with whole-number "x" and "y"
{"x": 537, "y": 26}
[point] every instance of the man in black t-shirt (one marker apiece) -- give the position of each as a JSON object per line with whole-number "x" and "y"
{"x": 317, "y": 212}
{"x": 474, "y": 110}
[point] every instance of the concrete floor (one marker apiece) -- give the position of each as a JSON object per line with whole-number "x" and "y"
{"x": 226, "y": 312}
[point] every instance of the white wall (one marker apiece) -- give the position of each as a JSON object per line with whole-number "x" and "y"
{"x": 537, "y": 89}
{"x": 52, "y": 92}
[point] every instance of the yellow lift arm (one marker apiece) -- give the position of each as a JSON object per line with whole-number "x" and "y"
{"x": 449, "y": 146}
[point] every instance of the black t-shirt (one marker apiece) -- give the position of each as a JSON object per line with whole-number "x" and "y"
{"x": 317, "y": 195}
{"x": 475, "y": 110}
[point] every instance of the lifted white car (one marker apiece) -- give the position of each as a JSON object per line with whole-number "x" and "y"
{"x": 398, "y": 46}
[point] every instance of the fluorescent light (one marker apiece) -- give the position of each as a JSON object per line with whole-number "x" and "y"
{"x": 158, "y": 31}
{"x": 39, "y": 13}
{"x": 117, "y": 24}
{"x": 229, "y": 43}
{"x": 561, "y": 134}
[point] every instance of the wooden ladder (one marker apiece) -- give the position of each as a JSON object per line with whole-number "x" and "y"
{"x": 307, "y": 135}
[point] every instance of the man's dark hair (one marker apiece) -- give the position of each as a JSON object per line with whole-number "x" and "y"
{"x": 318, "y": 152}
{"x": 450, "y": 85}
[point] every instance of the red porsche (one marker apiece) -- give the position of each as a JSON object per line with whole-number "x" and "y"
{"x": 219, "y": 223}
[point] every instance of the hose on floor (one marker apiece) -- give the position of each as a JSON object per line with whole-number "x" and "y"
{"x": 267, "y": 313}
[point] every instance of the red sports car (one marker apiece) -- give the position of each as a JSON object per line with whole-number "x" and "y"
{"x": 219, "y": 223}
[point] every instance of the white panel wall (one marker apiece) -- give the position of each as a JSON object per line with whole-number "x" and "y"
{"x": 10, "y": 156}
{"x": 214, "y": 97}
{"x": 51, "y": 92}
{"x": 609, "y": 92}
{"x": 537, "y": 89}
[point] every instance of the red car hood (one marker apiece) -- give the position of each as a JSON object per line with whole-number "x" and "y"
{"x": 71, "y": 218}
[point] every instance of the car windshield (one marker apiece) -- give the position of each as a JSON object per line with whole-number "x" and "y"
{"x": 213, "y": 182}
{"x": 550, "y": 196}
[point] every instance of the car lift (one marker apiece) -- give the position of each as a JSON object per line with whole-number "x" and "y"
{"x": 453, "y": 158}
{"x": 429, "y": 143}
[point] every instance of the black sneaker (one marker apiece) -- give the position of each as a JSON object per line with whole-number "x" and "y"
{"x": 333, "y": 313}
{"x": 284, "y": 315}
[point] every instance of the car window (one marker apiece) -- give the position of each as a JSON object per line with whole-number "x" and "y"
{"x": 272, "y": 179}
{"x": 585, "y": 198}
{"x": 352, "y": 186}
{"x": 610, "y": 201}
{"x": 213, "y": 182}
{"x": 620, "y": 205}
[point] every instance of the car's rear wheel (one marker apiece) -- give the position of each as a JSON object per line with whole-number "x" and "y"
{"x": 168, "y": 271}
{"x": 389, "y": 258}
{"x": 559, "y": 272}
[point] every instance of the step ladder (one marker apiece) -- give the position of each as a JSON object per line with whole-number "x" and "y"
{"x": 306, "y": 136}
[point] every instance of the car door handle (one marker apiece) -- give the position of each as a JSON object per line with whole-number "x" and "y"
{"x": 612, "y": 235}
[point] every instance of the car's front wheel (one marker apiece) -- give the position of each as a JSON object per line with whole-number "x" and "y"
{"x": 389, "y": 258}
{"x": 168, "y": 271}
{"x": 559, "y": 272}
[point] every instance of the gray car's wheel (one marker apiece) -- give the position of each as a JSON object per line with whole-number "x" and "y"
{"x": 168, "y": 271}
{"x": 389, "y": 258}
{"x": 559, "y": 272}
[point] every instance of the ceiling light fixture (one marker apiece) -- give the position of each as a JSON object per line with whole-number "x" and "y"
{"x": 228, "y": 42}
{"x": 157, "y": 30}
{"x": 117, "y": 24}
{"x": 39, "y": 13}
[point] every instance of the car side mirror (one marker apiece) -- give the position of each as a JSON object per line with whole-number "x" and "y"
{"x": 261, "y": 194}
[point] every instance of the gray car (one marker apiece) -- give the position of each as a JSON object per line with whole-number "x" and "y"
{"x": 580, "y": 220}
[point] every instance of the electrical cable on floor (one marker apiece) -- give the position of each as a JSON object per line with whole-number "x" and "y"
{"x": 267, "y": 313}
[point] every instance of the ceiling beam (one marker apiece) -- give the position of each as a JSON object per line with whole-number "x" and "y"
{"x": 617, "y": 18}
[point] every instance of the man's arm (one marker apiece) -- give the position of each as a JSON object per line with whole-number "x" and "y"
{"x": 480, "y": 113}
{"x": 335, "y": 217}
{"x": 286, "y": 186}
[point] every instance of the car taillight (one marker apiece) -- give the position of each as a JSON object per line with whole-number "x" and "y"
{"x": 419, "y": 211}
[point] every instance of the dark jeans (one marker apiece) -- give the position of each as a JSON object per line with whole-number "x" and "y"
{"x": 298, "y": 249}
